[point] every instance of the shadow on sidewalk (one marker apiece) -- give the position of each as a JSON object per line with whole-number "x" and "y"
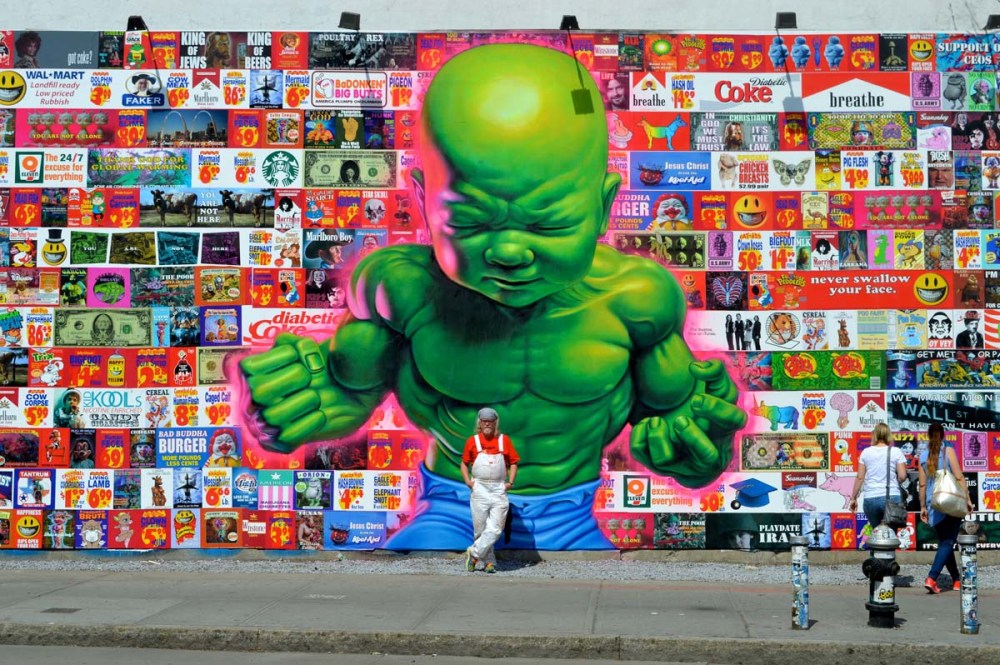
{"x": 521, "y": 561}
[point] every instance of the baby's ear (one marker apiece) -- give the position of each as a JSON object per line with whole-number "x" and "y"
{"x": 417, "y": 176}
{"x": 612, "y": 181}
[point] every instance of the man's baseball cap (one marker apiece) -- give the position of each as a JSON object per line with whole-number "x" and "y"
{"x": 487, "y": 413}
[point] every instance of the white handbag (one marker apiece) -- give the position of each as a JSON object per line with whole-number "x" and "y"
{"x": 948, "y": 497}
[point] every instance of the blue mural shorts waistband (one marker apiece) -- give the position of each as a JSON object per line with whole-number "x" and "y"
{"x": 562, "y": 520}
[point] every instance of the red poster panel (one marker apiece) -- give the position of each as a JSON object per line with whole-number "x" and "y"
{"x": 859, "y": 289}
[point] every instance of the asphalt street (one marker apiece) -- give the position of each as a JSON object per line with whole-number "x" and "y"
{"x": 246, "y": 614}
{"x": 97, "y": 656}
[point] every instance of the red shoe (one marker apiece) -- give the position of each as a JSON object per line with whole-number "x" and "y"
{"x": 931, "y": 586}
{"x": 957, "y": 586}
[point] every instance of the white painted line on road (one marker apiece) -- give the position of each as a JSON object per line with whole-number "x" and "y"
{"x": 323, "y": 596}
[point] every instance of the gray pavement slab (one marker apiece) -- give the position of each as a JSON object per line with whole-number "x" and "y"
{"x": 642, "y": 610}
{"x": 512, "y": 608}
{"x": 25, "y": 585}
{"x": 477, "y": 615}
{"x": 78, "y": 607}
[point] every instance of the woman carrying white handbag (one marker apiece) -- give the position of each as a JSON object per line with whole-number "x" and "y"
{"x": 945, "y": 508}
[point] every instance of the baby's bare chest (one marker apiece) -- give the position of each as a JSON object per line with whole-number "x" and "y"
{"x": 573, "y": 358}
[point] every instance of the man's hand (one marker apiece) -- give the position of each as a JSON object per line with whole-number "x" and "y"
{"x": 694, "y": 442}
{"x": 292, "y": 386}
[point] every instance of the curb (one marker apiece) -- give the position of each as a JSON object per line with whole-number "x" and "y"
{"x": 789, "y": 652}
{"x": 586, "y": 647}
{"x": 759, "y": 558}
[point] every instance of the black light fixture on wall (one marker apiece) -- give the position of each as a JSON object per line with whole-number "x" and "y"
{"x": 569, "y": 22}
{"x": 788, "y": 21}
{"x": 136, "y": 24}
{"x": 350, "y": 21}
{"x": 583, "y": 101}
{"x": 785, "y": 21}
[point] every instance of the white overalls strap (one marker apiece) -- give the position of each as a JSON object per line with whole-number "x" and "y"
{"x": 479, "y": 445}
{"x": 489, "y": 467}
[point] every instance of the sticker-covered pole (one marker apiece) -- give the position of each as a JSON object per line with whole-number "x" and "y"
{"x": 970, "y": 584}
{"x": 800, "y": 583}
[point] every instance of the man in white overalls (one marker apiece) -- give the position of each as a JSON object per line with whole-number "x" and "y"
{"x": 493, "y": 460}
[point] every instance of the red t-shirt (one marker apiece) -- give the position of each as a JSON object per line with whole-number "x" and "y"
{"x": 491, "y": 446}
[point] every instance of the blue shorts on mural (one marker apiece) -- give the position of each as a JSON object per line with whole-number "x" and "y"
{"x": 559, "y": 521}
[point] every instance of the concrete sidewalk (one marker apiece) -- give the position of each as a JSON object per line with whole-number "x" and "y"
{"x": 481, "y": 615}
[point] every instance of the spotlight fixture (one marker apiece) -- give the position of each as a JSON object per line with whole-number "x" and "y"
{"x": 785, "y": 21}
{"x": 136, "y": 24}
{"x": 569, "y": 22}
{"x": 350, "y": 21}
{"x": 992, "y": 23}
{"x": 583, "y": 101}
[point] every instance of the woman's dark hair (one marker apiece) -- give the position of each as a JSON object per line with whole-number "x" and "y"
{"x": 29, "y": 37}
{"x": 935, "y": 447}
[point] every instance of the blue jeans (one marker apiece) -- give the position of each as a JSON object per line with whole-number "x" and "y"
{"x": 874, "y": 510}
{"x": 947, "y": 533}
{"x": 561, "y": 520}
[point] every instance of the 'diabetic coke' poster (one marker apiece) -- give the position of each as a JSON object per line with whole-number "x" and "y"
{"x": 255, "y": 287}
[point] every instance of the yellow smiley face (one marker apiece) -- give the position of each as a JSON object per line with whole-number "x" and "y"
{"x": 750, "y": 211}
{"x": 921, "y": 50}
{"x": 28, "y": 527}
{"x": 12, "y": 88}
{"x": 931, "y": 288}
{"x": 54, "y": 253}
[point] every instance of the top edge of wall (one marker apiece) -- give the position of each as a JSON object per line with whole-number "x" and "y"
{"x": 480, "y": 29}
{"x": 679, "y": 16}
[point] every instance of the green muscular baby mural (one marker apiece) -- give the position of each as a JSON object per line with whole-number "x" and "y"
{"x": 515, "y": 305}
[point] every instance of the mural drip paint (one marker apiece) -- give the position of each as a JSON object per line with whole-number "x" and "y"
{"x": 254, "y": 287}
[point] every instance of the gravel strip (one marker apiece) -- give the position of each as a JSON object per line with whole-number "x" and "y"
{"x": 719, "y": 573}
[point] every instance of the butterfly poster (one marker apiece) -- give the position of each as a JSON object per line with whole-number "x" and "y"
{"x": 792, "y": 170}
{"x": 727, "y": 290}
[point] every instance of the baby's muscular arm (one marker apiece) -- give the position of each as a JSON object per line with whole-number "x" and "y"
{"x": 389, "y": 288}
{"x": 392, "y": 285}
{"x": 685, "y": 415}
{"x": 652, "y": 305}
{"x": 311, "y": 392}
